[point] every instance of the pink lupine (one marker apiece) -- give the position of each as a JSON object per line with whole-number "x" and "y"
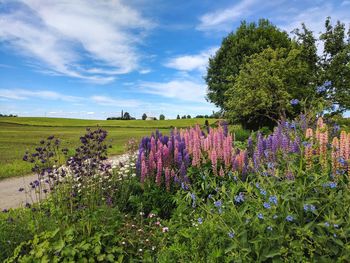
{"x": 343, "y": 144}
{"x": 309, "y": 133}
{"x": 151, "y": 162}
{"x": 166, "y": 155}
{"x": 153, "y": 144}
{"x": 196, "y": 151}
{"x": 347, "y": 147}
{"x": 221, "y": 172}
{"x": 213, "y": 158}
{"x": 167, "y": 178}
{"x": 143, "y": 171}
{"x": 323, "y": 141}
{"x": 335, "y": 155}
{"x": 159, "y": 172}
{"x": 308, "y": 148}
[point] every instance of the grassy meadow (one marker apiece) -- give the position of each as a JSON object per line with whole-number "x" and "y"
{"x": 23, "y": 133}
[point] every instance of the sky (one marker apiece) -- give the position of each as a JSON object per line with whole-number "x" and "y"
{"x": 93, "y": 58}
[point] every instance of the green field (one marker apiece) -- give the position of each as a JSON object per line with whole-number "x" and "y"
{"x": 20, "y": 134}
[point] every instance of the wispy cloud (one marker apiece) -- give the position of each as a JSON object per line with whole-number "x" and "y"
{"x": 22, "y": 94}
{"x": 314, "y": 17}
{"x": 109, "y": 101}
{"x": 192, "y": 62}
{"x": 224, "y": 18}
{"x": 182, "y": 89}
{"x": 65, "y": 34}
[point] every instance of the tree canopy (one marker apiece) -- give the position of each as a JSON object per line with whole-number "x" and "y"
{"x": 248, "y": 39}
{"x": 260, "y": 74}
{"x": 266, "y": 89}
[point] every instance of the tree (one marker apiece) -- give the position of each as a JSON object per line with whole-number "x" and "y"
{"x": 248, "y": 39}
{"x": 183, "y": 117}
{"x": 161, "y": 117}
{"x": 126, "y": 116}
{"x": 270, "y": 86}
{"x": 335, "y": 64}
{"x": 178, "y": 117}
{"x": 188, "y": 116}
{"x": 144, "y": 116}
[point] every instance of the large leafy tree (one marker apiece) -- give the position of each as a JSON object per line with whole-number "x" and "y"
{"x": 335, "y": 63}
{"x": 248, "y": 39}
{"x": 267, "y": 84}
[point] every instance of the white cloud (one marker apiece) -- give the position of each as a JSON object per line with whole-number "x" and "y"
{"x": 22, "y": 94}
{"x": 181, "y": 89}
{"x": 314, "y": 17}
{"x": 192, "y": 62}
{"x": 108, "y": 101}
{"x": 224, "y": 18}
{"x": 65, "y": 34}
{"x": 145, "y": 71}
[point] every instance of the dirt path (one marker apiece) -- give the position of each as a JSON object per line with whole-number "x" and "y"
{"x": 10, "y": 197}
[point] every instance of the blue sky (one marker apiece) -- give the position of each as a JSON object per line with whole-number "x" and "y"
{"x": 91, "y": 59}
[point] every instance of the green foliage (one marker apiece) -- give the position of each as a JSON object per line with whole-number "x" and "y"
{"x": 335, "y": 64}
{"x": 240, "y": 134}
{"x": 144, "y": 116}
{"x": 265, "y": 86}
{"x": 161, "y": 117}
{"x": 111, "y": 238}
{"x": 246, "y": 231}
{"x": 248, "y": 39}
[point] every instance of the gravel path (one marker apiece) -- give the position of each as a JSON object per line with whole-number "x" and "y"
{"x": 10, "y": 197}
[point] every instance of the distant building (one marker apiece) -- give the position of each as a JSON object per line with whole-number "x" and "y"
{"x": 151, "y": 118}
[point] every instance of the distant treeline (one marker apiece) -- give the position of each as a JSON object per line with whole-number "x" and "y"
{"x": 5, "y": 115}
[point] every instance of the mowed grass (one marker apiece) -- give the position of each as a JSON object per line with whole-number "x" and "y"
{"x": 63, "y": 122}
{"x": 20, "y": 134}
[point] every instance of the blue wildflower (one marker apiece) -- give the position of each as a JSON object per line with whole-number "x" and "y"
{"x": 273, "y": 199}
{"x": 289, "y": 218}
{"x": 332, "y": 185}
{"x": 294, "y": 102}
{"x": 257, "y": 185}
{"x": 321, "y": 89}
{"x": 218, "y": 203}
{"x": 326, "y": 224}
{"x": 311, "y": 208}
{"x": 342, "y": 161}
{"x": 275, "y": 217}
{"x": 262, "y": 191}
{"x": 200, "y": 220}
{"x": 336, "y": 226}
{"x": 335, "y": 235}
{"x": 269, "y": 228}
{"x": 260, "y": 216}
{"x": 193, "y": 196}
{"x": 336, "y": 128}
{"x": 267, "y": 205}
{"x": 239, "y": 198}
{"x": 231, "y": 234}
